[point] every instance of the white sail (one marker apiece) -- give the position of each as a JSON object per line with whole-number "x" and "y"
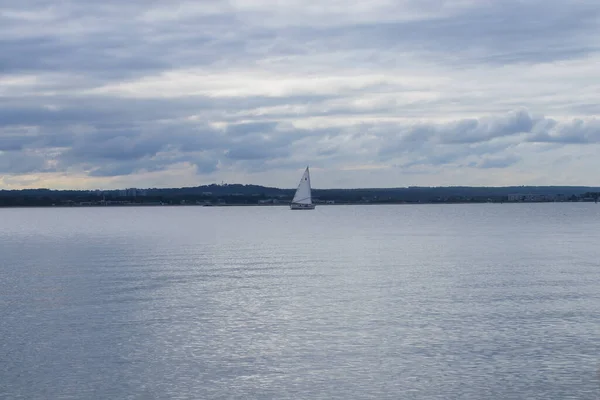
{"x": 303, "y": 192}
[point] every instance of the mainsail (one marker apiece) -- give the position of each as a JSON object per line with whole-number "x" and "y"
{"x": 303, "y": 192}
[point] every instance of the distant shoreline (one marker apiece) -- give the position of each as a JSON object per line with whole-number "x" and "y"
{"x": 254, "y": 195}
{"x": 142, "y": 205}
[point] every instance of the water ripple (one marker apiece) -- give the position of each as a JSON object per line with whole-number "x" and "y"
{"x": 419, "y": 302}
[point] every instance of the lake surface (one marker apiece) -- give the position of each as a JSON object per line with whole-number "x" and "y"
{"x": 488, "y": 301}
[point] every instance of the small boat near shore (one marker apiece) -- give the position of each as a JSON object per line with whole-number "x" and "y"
{"x": 303, "y": 197}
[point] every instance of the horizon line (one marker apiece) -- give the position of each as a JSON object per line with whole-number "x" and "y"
{"x": 330, "y": 188}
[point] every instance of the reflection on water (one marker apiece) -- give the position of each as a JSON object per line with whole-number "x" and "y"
{"x": 436, "y": 301}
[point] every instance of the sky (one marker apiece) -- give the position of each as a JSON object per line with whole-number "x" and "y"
{"x": 146, "y": 93}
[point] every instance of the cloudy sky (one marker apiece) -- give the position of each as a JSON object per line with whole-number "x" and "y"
{"x": 379, "y": 93}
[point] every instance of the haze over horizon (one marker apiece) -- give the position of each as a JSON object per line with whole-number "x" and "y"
{"x": 369, "y": 94}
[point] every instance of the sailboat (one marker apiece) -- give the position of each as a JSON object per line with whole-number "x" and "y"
{"x": 302, "y": 198}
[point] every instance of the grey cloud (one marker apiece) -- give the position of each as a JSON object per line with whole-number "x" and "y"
{"x": 268, "y": 144}
{"x": 125, "y": 168}
{"x": 20, "y": 138}
{"x": 491, "y": 32}
{"x": 266, "y": 140}
{"x": 116, "y": 146}
{"x": 111, "y": 41}
{"x": 575, "y": 132}
{"x": 97, "y": 43}
{"x": 498, "y": 162}
{"x": 107, "y": 150}
{"x": 255, "y": 151}
{"x": 586, "y": 109}
{"x": 39, "y": 115}
{"x": 193, "y": 139}
{"x": 12, "y": 142}
{"x": 244, "y": 129}
{"x": 483, "y": 154}
{"x": 101, "y": 59}
{"x": 111, "y": 152}
{"x": 396, "y": 140}
{"x": 137, "y": 143}
{"x": 329, "y": 151}
{"x": 123, "y": 136}
{"x": 279, "y": 164}
{"x": 462, "y": 133}
{"x": 484, "y": 129}
{"x": 485, "y": 140}
{"x": 435, "y": 158}
{"x": 117, "y": 112}
{"x": 118, "y": 43}
{"x": 14, "y": 162}
{"x": 205, "y": 163}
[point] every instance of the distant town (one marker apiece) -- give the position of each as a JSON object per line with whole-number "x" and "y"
{"x": 237, "y": 194}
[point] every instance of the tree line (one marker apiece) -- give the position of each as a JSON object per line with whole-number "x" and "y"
{"x": 238, "y": 194}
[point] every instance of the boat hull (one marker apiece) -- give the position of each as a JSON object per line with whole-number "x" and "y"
{"x": 302, "y": 206}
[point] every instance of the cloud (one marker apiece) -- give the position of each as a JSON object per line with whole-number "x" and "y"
{"x": 498, "y": 162}
{"x": 487, "y": 142}
{"x": 485, "y": 129}
{"x": 577, "y": 131}
{"x": 384, "y": 94}
{"x": 23, "y": 162}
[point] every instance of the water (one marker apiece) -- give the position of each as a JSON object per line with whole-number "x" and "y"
{"x": 344, "y": 302}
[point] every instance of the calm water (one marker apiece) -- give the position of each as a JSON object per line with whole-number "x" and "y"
{"x": 345, "y": 302}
